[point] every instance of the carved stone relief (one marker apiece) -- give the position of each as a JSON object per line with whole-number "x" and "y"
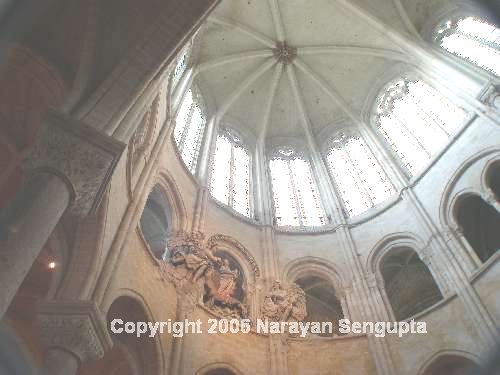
{"x": 202, "y": 277}
{"x": 284, "y": 303}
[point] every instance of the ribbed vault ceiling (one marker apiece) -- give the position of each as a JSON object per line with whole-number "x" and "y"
{"x": 340, "y": 55}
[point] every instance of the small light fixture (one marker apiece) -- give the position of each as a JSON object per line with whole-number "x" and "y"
{"x": 52, "y": 265}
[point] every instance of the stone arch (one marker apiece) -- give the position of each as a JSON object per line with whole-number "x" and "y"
{"x": 145, "y": 354}
{"x": 449, "y": 195}
{"x": 478, "y": 222}
{"x": 317, "y": 266}
{"x": 437, "y": 362}
{"x": 457, "y": 188}
{"x": 406, "y": 251}
{"x": 408, "y": 283}
{"x": 178, "y": 213}
{"x": 324, "y": 288}
{"x": 386, "y": 243}
{"x": 29, "y": 86}
{"x": 164, "y": 203}
{"x": 491, "y": 179}
{"x": 219, "y": 368}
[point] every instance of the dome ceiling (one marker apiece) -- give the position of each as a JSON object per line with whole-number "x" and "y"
{"x": 276, "y": 68}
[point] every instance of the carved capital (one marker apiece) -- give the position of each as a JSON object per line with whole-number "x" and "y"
{"x": 78, "y": 327}
{"x": 426, "y": 254}
{"x": 372, "y": 280}
{"x": 492, "y": 96}
{"x": 84, "y": 157}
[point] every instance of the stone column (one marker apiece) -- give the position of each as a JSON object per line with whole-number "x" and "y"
{"x": 492, "y": 200}
{"x": 207, "y": 149}
{"x": 70, "y": 167}
{"x": 380, "y": 299}
{"x": 34, "y": 216}
{"x": 438, "y": 272}
{"x": 189, "y": 293}
{"x": 72, "y": 333}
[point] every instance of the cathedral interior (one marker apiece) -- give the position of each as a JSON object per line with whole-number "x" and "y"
{"x": 246, "y": 161}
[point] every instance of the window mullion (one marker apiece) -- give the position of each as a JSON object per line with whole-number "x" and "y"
{"x": 295, "y": 194}
{"x": 430, "y": 115}
{"x": 410, "y": 133}
{"x": 182, "y": 141}
{"x": 355, "y": 175}
{"x": 231, "y": 177}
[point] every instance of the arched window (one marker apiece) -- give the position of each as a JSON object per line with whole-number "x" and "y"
{"x": 230, "y": 180}
{"x": 416, "y": 120}
{"x": 359, "y": 177}
{"x": 155, "y": 223}
{"x": 180, "y": 66}
{"x": 321, "y": 302}
{"x": 408, "y": 283}
{"x": 189, "y": 129}
{"x": 471, "y": 39}
{"x": 479, "y": 222}
{"x": 296, "y": 197}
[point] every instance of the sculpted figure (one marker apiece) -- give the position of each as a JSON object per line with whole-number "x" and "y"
{"x": 285, "y": 304}
{"x": 197, "y": 260}
{"x": 221, "y": 282}
{"x": 193, "y": 261}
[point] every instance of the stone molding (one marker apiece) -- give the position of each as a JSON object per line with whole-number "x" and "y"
{"x": 81, "y": 155}
{"x": 78, "y": 327}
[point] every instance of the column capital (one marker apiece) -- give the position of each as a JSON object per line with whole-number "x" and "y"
{"x": 491, "y": 96}
{"x": 426, "y": 254}
{"x": 78, "y": 327}
{"x": 372, "y": 280}
{"x": 82, "y": 156}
